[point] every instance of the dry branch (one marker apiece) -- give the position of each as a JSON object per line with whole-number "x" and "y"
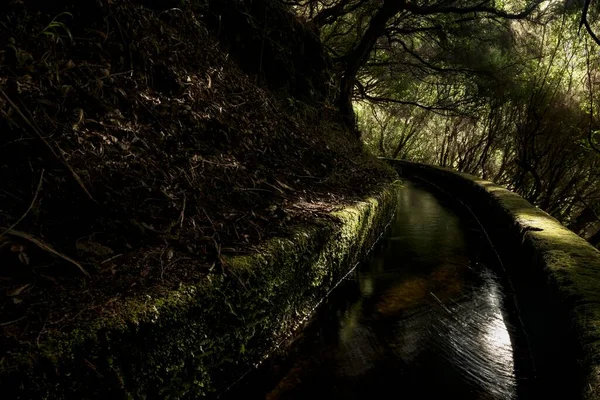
{"x": 41, "y": 137}
{"x": 46, "y": 247}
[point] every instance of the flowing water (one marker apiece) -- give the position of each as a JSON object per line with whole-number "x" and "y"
{"x": 425, "y": 318}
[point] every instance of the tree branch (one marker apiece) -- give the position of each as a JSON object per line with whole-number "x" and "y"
{"x": 381, "y": 99}
{"x": 441, "y": 69}
{"x": 436, "y": 9}
{"x": 329, "y": 15}
{"x": 584, "y": 22}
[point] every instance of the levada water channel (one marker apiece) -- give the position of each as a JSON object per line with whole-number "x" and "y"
{"x": 430, "y": 315}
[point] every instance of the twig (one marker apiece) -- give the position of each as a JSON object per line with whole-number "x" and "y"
{"x": 120, "y": 73}
{"x": 211, "y": 222}
{"x": 35, "y": 195}
{"x": 46, "y": 247}
{"x": 37, "y": 341}
{"x": 281, "y": 192}
{"x": 162, "y": 264}
{"x": 93, "y": 368}
{"x": 256, "y": 190}
{"x": 182, "y": 215}
{"x": 11, "y": 322}
{"x": 41, "y": 137}
{"x": 111, "y": 258}
{"x": 11, "y": 195}
{"x": 590, "y": 136}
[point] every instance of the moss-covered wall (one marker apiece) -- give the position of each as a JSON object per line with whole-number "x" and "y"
{"x": 564, "y": 267}
{"x": 199, "y": 339}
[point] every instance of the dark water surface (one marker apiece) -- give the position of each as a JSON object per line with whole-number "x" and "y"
{"x": 424, "y": 318}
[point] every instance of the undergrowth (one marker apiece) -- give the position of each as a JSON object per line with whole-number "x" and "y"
{"x": 136, "y": 153}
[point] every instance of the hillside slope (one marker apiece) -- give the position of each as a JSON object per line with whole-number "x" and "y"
{"x": 136, "y": 151}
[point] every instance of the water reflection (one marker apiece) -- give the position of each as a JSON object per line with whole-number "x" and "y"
{"x": 423, "y": 320}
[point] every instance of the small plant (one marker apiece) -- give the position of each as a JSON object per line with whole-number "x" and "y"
{"x": 54, "y": 28}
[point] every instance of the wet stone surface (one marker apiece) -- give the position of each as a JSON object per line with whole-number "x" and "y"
{"x": 427, "y": 317}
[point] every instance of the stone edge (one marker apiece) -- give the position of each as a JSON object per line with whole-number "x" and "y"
{"x": 569, "y": 266}
{"x": 198, "y": 339}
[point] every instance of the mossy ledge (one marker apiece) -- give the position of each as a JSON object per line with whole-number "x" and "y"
{"x": 564, "y": 266}
{"x": 195, "y": 341}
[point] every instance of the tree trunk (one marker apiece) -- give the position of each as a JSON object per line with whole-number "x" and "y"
{"x": 595, "y": 239}
{"x": 586, "y": 217}
{"x": 359, "y": 55}
{"x": 381, "y": 138}
{"x": 323, "y": 17}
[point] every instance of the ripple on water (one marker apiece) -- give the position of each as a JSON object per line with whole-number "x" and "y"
{"x": 423, "y": 319}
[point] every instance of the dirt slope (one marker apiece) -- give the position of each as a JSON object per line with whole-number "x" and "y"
{"x": 135, "y": 150}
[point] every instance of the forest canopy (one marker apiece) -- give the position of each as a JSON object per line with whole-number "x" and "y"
{"x": 501, "y": 89}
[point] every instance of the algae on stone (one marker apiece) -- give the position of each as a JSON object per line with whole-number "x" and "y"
{"x": 197, "y": 339}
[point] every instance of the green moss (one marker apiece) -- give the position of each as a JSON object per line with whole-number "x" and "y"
{"x": 195, "y": 340}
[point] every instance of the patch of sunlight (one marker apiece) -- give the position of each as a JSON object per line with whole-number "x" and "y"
{"x": 153, "y": 99}
{"x": 496, "y": 342}
{"x": 496, "y": 336}
{"x": 545, "y": 4}
{"x": 545, "y": 226}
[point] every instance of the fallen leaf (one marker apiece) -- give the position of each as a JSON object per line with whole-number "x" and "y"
{"x": 17, "y": 291}
{"x": 24, "y": 258}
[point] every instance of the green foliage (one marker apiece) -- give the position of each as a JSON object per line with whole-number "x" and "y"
{"x": 509, "y": 99}
{"x": 57, "y": 29}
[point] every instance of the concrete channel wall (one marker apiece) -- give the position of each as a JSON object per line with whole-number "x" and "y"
{"x": 564, "y": 266}
{"x": 197, "y": 340}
